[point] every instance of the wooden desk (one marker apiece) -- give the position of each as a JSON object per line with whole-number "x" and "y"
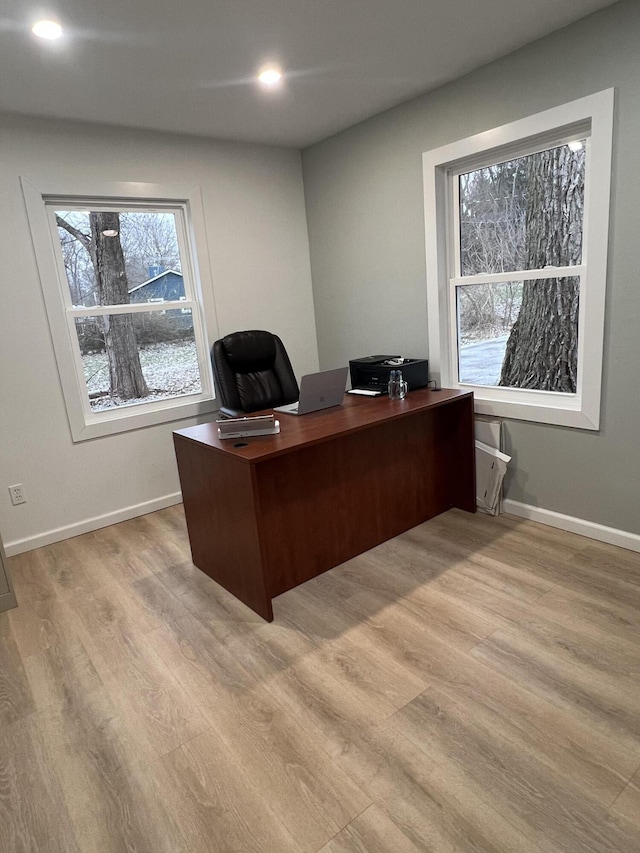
{"x": 267, "y": 513}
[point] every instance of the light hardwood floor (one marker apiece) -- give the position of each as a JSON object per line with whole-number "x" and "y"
{"x": 472, "y": 685}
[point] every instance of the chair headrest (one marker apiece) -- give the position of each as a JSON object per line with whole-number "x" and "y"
{"x": 250, "y": 351}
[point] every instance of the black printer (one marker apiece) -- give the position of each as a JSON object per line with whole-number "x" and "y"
{"x": 373, "y": 371}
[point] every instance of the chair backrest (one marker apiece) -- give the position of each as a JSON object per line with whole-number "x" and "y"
{"x": 252, "y": 371}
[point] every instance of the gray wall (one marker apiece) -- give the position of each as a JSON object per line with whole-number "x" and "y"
{"x": 258, "y": 259}
{"x": 363, "y": 192}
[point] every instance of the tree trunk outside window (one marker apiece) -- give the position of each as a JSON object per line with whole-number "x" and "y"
{"x": 125, "y": 372}
{"x": 542, "y": 349}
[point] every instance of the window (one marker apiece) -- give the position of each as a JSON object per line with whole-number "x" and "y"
{"x": 124, "y": 303}
{"x": 516, "y": 240}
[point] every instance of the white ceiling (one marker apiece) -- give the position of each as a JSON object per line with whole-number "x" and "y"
{"x": 187, "y": 65}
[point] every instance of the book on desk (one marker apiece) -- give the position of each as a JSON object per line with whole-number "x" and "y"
{"x": 246, "y": 427}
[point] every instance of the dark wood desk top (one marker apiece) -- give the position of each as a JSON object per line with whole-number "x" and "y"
{"x": 356, "y": 413}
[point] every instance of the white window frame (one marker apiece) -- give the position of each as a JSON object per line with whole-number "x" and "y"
{"x": 41, "y": 196}
{"x": 591, "y": 118}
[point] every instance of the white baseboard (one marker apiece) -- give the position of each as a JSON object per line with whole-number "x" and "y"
{"x": 18, "y": 546}
{"x": 590, "y": 529}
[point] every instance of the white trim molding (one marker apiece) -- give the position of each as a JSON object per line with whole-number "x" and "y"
{"x": 588, "y": 529}
{"x": 590, "y": 117}
{"x": 610, "y": 535}
{"x": 42, "y": 195}
{"x": 19, "y": 546}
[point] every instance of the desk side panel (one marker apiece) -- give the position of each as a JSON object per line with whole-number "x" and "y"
{"x": 219, "y": 504}
{"x": 328, "y": 503}
{"x": 462, "y": 453}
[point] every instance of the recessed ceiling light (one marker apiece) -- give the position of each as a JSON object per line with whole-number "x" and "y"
{"x": 47, "y": 30}
{"x": 576, "y": 144}
{"x": 270, "y": 76}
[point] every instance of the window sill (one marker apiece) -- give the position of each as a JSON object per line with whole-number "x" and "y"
{"x": 545, "y": 413}
{"x": 126, "y": 420}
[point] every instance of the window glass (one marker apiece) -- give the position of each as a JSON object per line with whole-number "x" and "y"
{"x": 519, "y": 334}
{"x": 524, "y": 213}
{"x": 114, "y": 258}
{"x": 165, "y": 349}
{"x": 144, "y": 248}
{"x": 519, "y": 215}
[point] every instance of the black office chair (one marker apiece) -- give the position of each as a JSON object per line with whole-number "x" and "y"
{"x": 252, "y": 371}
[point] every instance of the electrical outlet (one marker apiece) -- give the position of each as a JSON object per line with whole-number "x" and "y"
{"x": 17, "y": 494}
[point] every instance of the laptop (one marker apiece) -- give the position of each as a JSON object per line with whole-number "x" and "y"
{"x": 318, "y": 391}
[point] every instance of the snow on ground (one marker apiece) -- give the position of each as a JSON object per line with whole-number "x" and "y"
{"x": 481, "y": 361}
{"x": 170, "y": 370}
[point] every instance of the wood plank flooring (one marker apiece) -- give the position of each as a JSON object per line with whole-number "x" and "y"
{"x": 472, "y": 685}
